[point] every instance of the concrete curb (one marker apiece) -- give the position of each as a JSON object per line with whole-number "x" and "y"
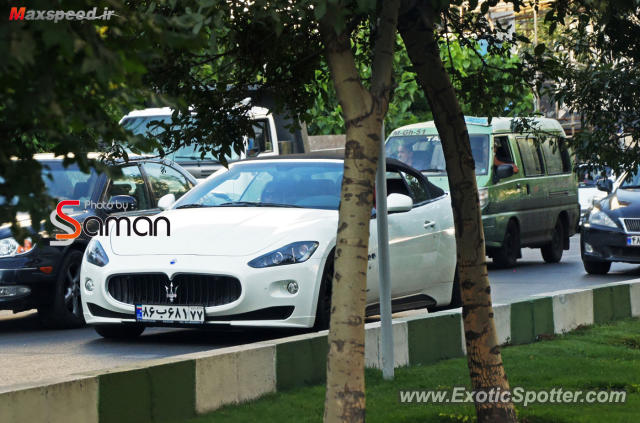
{"x": 180, "y": 387}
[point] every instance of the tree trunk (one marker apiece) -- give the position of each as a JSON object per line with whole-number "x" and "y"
{"x": 363, "y": 113}
{"x": 483, "y": 353}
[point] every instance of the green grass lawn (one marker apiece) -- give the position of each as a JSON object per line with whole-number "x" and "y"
{"x": 599, "y": 357}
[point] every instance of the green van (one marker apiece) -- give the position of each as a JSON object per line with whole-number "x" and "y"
{"x": 527, "y": 189}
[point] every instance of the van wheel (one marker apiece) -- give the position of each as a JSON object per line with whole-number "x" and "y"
{"x": 507, "y": 255}
{"x": 119, "y": 331}
{"x": 323, "y": 311}
{"x": 65, "y": 310}
{"x": 596, "y": 267}
{"x": 552, "y": 252}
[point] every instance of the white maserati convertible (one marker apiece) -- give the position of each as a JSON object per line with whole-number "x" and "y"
{"x": 253, "y": 246}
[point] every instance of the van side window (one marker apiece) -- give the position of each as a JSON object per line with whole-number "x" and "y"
{"x": 502, "y": 151}
{"x": 530, "y": 155}
{"x": 552, "y": 156}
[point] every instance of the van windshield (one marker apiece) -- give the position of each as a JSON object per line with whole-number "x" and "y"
{"x": 142, "y": 125}
{"x": 424, "y": 152}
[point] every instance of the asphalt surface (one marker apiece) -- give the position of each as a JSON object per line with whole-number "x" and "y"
{"x": 30, "y": 354}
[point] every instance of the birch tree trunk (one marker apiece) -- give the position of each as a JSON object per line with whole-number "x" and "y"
{"x": 416, "y": 26}
{"x": 363, "y": 112}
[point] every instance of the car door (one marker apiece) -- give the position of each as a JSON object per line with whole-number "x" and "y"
{"x": 164, "y": 179}
{"x": 413, "y": 238}
{"x": 130, "y": 182}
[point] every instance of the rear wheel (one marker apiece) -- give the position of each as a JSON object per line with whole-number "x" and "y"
{"x": 323, "y": 311}
{"x": 119, "y": 331}
{"x": 456, "y": 297}
{"x": 552, "y": 252}
{"x": 508, "y": 254}
{"x": 65, "y": 311}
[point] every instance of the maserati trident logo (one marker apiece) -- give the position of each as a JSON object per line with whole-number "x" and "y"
{"x": 172, "y": 293}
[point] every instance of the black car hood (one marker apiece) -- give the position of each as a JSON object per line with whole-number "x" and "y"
{"x": 622, "y": 203}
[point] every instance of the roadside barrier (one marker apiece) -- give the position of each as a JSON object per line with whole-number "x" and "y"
{"x": 175, "y": 388}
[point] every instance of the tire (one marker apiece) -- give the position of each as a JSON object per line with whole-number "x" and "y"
{"x": 119, "y": 331}
{"x": 456, "y": 296}
{"x": 552, "y": 252}
{"x": 65, "y": 311}
{"x": 323, "y": 310}
{"x": 507, "y": 255}
{"x": 596, "y": 267}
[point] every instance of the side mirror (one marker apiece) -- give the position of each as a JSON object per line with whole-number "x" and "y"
{"x": 399, "y": 203}
{"x": 121, "y": 203}
{"x": 166, "y": 201}
{"x": 503, "y": 171}
{"x": 605, "y": 185}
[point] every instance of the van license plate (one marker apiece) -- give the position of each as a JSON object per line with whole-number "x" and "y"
{"x": 633, "y": 241}
{"x": 170, "y": 314}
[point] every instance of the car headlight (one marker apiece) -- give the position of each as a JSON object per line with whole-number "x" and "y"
{"x": 9, "y": 247}
{"x": 96, "y": 254}
{"x": 483, "y": 196}
{"x": 296, "y": 252}
{"x": 598, "y": 217}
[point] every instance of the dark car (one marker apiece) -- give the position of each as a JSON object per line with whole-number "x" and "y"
{"x": 611, "y": 228}
{"x": 47, "y": 277}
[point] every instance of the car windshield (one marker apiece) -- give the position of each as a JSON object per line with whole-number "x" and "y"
{"x": 68, "y": 183}
{"x": 142, "y": 125}
{"x": 632, "y": 181}
{"x": 270, "y": 184}
{"x": 424, "y": 152}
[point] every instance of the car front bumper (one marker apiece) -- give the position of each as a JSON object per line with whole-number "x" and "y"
{"x": 34, "y": 271}
{"x": 264, "y": 300}
{"x": 607, "y": 245}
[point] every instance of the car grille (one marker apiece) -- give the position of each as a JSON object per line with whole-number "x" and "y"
{"x": 632, "y": 225}
{"x": 629, "y": 252}
{"x": 190, "y": 289}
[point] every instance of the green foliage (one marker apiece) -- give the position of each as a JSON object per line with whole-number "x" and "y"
{"x": 592, "y": 67}
{"x": 486, "y": 84}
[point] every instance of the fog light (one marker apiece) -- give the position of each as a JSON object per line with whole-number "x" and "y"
{"x": 88, "y": 285}
{"x": 588, "y": 248}
{"x": 292, "y": 287}
{"x": 13, "y": 291}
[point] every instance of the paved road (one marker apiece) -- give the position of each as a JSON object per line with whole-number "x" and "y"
{"x": 29, "y": 353}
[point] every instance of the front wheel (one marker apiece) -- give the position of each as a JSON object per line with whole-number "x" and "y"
{"x": 65, "y": 310}
{"x": 596, "y": 267}
{"x": 119, "y": 331}
{"x": 323, "y": 310}
{"x": 507, "y": 255}
{"x": 552, "y": 252}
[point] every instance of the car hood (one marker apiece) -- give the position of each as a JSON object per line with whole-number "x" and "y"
{"x": 226, "y": 231}
{"x": 622, "y": 203}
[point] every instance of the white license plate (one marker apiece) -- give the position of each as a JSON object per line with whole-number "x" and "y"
{"x": 633, "y": 241}
{"x": 172, "y": 314}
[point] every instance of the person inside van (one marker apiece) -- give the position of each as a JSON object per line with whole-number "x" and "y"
{"x": 405, "y": 153}
{"x": 501, "y": 155}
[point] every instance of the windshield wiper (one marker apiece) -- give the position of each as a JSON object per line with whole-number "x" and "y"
{"x": 630, "y": 186}
{"x": 255, "y": 204}
{"x": 433, "y": 170}
{"x": 192, "y": 206}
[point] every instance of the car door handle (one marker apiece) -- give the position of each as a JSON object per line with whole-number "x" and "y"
{"x": 429, "y": 224}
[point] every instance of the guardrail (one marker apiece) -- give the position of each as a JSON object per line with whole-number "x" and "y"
{"x": 184, "y": 386}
